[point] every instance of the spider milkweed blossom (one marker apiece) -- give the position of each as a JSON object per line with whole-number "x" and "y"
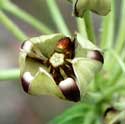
{"x": 59, "y": 65}
{"x": 101, "y": 7}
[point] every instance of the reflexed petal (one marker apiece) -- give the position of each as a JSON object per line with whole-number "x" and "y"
{"x": 85, "y": 70}
{"x": 43, "y": 84}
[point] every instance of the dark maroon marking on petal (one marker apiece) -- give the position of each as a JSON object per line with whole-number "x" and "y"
{"x": 56, "y": 75}
{"x": 95, "y": 54}
{"x": 111, "y": 109}
{"x": 22, "y": 45}
{"x": 75, "y": 9}
{"x": 70, "y": 53}
{"x": 38, "y": 60}
{"x": 68, "y": 70}
{"x": 70, "y": 89}
{"x": 25, "y": 85}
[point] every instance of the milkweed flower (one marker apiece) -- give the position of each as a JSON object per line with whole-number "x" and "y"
{"x": 59, "y": 65}
{"x": 101, "y": 7}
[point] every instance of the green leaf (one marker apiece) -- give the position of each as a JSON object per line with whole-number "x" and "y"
{"x": 74, "y": 115}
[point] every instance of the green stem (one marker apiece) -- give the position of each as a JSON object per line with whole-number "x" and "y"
{"x": 57, "y": 17}
{"x": 117, "y": 72}
{"x": 118, "y": 59}
{"x": 114, "y": 79}
{"x": 82, "y": 27}
{"x": 12, "y": 74}
{"x": 21, "y": 14}
{"x": 119, "y": 45}
{"x": 120, "y": 42}
{"x": 89, "y": 27}
{"x": 108, "y": 93}
{"x": 107, "y": 35}
{"x": 12, "y": 27}
{"x": 108, "y": 25}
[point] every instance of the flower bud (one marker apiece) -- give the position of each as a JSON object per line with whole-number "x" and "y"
{"x": 59, "y": 66}
{"x": 101, "y": 7}
{"x": 111, "y": 116}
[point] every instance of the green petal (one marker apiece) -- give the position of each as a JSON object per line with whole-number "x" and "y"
{"x": 32, "y": 66}
{"x": 85, "y": 43}
{"x": 22, "y": 57}
{"x": 83, "y": 46}
{"x": 46, "y": 43}
{"x": 85, "y": 70}
{"x": 43, "y": 84}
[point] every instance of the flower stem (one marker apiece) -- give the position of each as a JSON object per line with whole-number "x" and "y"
{"x": 121, "y": 32}
{"x": 57, "y": 17}
{"x": 108, "y": 25}
{"x": 12, "y": 74}
{"x": 21, "y": 14}
{"x": 82, "y": 27}
{"x": 12, "y": 27}
{"x": 89, "y": 26}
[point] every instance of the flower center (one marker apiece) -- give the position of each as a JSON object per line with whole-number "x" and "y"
{"x": 57, "y": 59}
